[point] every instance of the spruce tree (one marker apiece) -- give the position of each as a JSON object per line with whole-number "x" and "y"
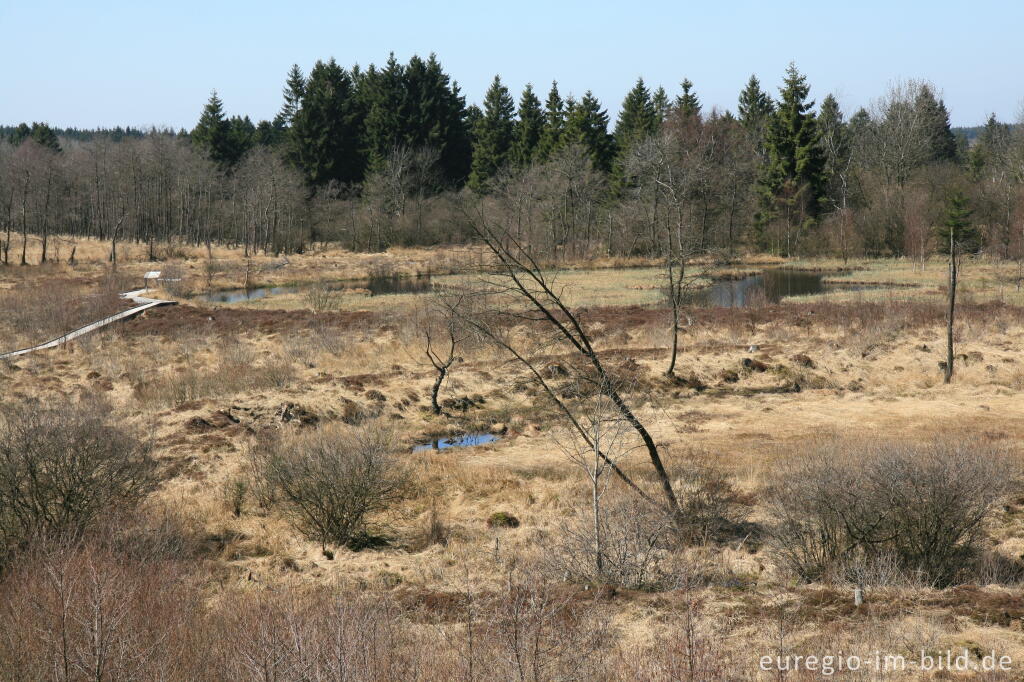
{"x": 688, "y": 104}
{"x": 993, "y": 143}
{"x": 528, "y": 128}
{"x": 415, "y": 106}
{"x": 449, "y": 133}
{"x": 294, "y": 89}
{"x": 638, "y": 117}
{"x": 661, "y": 105}
{"x": 212, "y": 133}
{"x": 240, "y": 139}
{"x": 554, "y": 124}
{"x": 586, "y": 124}
{"x": 934, "y": 119}
{"x": 755, "y": 112}
{"x": 382, "y": 94}
{"x": 957, "y": 228}
{"x": 492, "y": 144}
{"x": 792, "y": 183}
{"x": 326, "y": 128}
{"x": 43, "y": 135}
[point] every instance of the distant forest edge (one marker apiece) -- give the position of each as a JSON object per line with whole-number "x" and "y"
{"x": 393, "y": 155}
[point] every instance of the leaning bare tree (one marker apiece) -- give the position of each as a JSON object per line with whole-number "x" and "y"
{"x": 521, "y": 308}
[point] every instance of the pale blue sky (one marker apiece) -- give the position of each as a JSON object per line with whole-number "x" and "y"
{"x": 111, "y": 62}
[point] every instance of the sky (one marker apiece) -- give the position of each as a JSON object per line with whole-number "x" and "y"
{"x": 142, "y": 63}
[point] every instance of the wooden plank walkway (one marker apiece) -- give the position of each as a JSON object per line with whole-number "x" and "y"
{"x": 134, "y": 296}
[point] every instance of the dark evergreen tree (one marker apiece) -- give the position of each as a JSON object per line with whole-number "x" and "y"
{"x": 270, "y": 133}
{"x": 957, "y": 227}
{"x": 529, "y": 127}
{"x": 212, "y": 133}
{"x": 21, "y": 133}
{"x": 492, "y": 139}
{"x": 638, "y": 117}
{"x": 382, "y": 93}
{"x": 688, "y": 104}
{"x": 992, "y": 145}
{"x": 586, "y": 124}
{"x": 437, "y": 111}
{"x": 294, "y": 89}
{"x": 473, "y": 116}
{"x": 755, "y": 107}
{"x": 415, "y": 106}
{"x": 554, "y": 124}
{"x": 45, "y": 136}
{"x": 661, "y": 104}
{"x": 934, "y": 118}
{"x": 755, "y": 113}
{"x": 240, "y": 139}
{"x": 326, "y": 128}
{"x": 792, "y": 183}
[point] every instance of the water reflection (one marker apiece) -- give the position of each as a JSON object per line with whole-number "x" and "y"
{"x": 770, "y": 286}
{"x": 464, "y": 441}
{"x": 377, "y": 286}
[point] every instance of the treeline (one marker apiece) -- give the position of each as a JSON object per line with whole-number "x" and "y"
{"x": 390, "y": 155}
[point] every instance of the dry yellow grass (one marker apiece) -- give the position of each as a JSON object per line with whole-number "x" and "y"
{"x": 873, "y": 375}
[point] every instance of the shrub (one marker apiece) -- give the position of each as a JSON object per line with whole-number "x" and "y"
{"x": 880, "y": 508}
{"x": 502, "y": 519}
{"x": 635, "y": 542}
{"x": 62, "y": 467}
{"x": 331, "y": 481}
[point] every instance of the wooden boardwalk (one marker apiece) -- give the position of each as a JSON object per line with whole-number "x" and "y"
{"x": 135, "y": 296}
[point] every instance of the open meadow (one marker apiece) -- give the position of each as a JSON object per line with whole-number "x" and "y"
{"x": 229, "y": 562}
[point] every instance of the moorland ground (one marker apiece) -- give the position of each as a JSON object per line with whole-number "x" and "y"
{"x": 480, "y": 537}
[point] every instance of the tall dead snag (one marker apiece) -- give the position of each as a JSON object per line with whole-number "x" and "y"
{"x": 514, "y": 305}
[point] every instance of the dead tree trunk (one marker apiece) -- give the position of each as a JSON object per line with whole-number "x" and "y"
{"x": 951, "y": 309}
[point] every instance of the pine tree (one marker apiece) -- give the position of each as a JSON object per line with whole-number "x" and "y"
{"x": 326, "y": 128}
{"x": 792, "y": 183}
{"x": 449, "y": 133}
{"x": 688, "y": 104}
{"x": 993, "y": 143}
{"x": 415, "y": 106}
{"x": 755, "y": 106}
{"x": 294, "y": 89}
{"x": 661, "y": 105}
{"x": 755, "y": 112}
{"x": 586, "y": 124}
{"x": 240, "y": 139}
{"x": 43, "y": 135}
{"x": 212, "y": 133}
{"x": 382, "y": 93}
{"x": 935, "y": 119}
{"x": 958, "y": 226}
{"x": 554, "y": 124}
{"x": 492, "y": 144}
{"x": 638, "y": 117}
{"x": 271, "y": 133}
{"x": 528, "y": 128}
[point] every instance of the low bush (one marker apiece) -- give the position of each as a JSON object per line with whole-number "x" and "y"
{"x": 332, "y": 481}
{"x": 853, "y": 511}
{"x": 62, "y": 467}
